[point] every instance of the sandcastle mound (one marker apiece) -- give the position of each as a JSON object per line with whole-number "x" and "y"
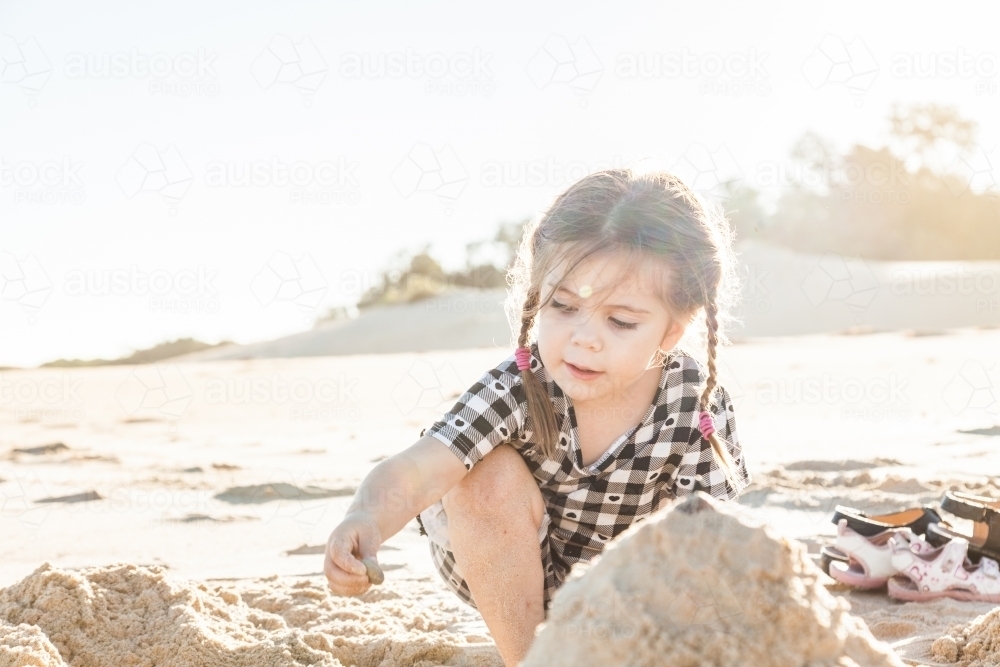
{"x": 137, "y": 616}
{"x": 695, "y": 585}
{"x": 26, "y": 646}
{"x": 975, "y": 645}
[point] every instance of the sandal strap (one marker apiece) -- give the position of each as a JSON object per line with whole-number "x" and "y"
{"x": 990, "y": 547}
{"x": 968, "y": 506}
{"x": 992, "y": 543}
{"x": 915, "y": 518}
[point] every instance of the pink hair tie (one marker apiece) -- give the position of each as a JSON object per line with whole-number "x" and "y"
{"x": 523, "y": 356}
{"x": 706, "y": 424}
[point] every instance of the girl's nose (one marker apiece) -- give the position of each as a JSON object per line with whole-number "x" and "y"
{"x": 585, "y": 332}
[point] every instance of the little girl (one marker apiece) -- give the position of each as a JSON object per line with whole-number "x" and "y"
{"x": 598, "y": 419}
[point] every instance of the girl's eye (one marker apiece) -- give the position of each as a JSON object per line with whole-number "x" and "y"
{"x": 561, "y": 306}
{"x": 623, "y": 325}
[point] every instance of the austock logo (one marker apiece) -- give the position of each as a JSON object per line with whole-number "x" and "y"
{"x": 286, "y": 279}
{"x": 834, "y": 278}
{"x": 23, "y": 64}
{"x": 151, "y": 170}
{"x": 55, "y": 181}
{"x": 713, "y": 173}
{"x": 835, "y": 62}
{"x": 561, "y": 62}
{"x": 437, "y": 172}
{"x": 23, "y": 280}
{"x": 284, "y": 62}
{"x": 157, "y": 392}
{"x": 178, "y": 75}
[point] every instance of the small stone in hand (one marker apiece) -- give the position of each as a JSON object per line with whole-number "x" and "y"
{"x": 374, "y": 571}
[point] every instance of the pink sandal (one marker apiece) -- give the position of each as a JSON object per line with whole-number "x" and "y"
{"x": 868, "y": 560}
{"x": 945, "y": 571}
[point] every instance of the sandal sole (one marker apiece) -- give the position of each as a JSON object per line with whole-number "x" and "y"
{"x": 855, "y": 579}
{"x": 827, "y": 555}
{"x": 908, "y": 594}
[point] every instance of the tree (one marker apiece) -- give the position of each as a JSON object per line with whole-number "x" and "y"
{"x": 903, "y": 201}
{"x": 927, "y": 125}
{"x": 419, "y": 276}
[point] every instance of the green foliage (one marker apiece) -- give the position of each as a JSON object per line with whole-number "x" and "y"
{"x": 420, "y": 276}
{"x": 911, "y": 200}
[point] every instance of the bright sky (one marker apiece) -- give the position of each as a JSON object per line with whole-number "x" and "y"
{"x": 259, "y": 146}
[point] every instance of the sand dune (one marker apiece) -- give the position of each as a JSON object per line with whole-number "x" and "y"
{"x": 457, "y": 320}
{"x": 784, "y": 293}
{"x": 789, "y": 293}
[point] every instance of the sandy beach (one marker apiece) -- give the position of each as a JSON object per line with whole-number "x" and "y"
{"x": 210, "y": 488}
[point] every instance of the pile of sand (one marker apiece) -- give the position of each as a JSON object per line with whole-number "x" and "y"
{"x": 26, "y": 646}
{"x": 694, "y": 585}
{"x": 974, "y": 645}
{"x": 912, "y": 628}
{"x": 137, "y": 616}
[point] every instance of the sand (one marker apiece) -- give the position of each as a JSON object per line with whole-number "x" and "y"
{"x": 138, "y": 616}
{"x": 694, "y": 585}
{"x": 913, "y": 628}
{"x": 26, "y": 646}
{"x": 241, "y": 495}
{"x": 974, "y": 645}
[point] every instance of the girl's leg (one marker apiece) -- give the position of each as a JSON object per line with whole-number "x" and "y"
{"x": 494, "y": 515}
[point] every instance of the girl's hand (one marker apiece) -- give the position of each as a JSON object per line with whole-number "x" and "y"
{"x": 356, "y": 537}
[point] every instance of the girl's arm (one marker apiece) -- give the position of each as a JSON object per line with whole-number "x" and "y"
{"x": 402, "y": 486}
{"x": 394, "y": 492}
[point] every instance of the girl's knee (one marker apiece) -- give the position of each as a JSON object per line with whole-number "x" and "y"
{"x": 500, "y": 482}
{"x": 499, "y": 472}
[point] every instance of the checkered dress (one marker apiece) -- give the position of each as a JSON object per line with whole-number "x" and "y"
{"x": 665, "y": 456}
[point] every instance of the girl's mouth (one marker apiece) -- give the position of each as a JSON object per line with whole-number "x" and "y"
{"x": 582, "y": 373}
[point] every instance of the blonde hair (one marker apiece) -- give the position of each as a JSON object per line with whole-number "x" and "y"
{"x": 651, "y": 215}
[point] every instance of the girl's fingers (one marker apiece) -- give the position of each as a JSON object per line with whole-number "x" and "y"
{"x": 342, "y": 568}
{"x": 340, "y": 552}
{"x": 344, "y": 583}
{"x": 368, "y": 544}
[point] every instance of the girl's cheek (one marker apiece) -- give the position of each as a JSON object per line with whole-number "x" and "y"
{"x": 544, "y": 343}
{"x": 548, "y": 329}
{"x": 543, "y": 331}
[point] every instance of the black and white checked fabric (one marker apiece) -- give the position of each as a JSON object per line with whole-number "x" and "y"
{"x": 664, "y": 457}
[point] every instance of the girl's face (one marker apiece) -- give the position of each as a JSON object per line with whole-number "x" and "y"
{"x": 602, "y": 326}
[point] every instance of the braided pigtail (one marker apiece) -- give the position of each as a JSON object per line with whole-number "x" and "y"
{"x": 726, "y": 462}
{"x": 539, "y": 406}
